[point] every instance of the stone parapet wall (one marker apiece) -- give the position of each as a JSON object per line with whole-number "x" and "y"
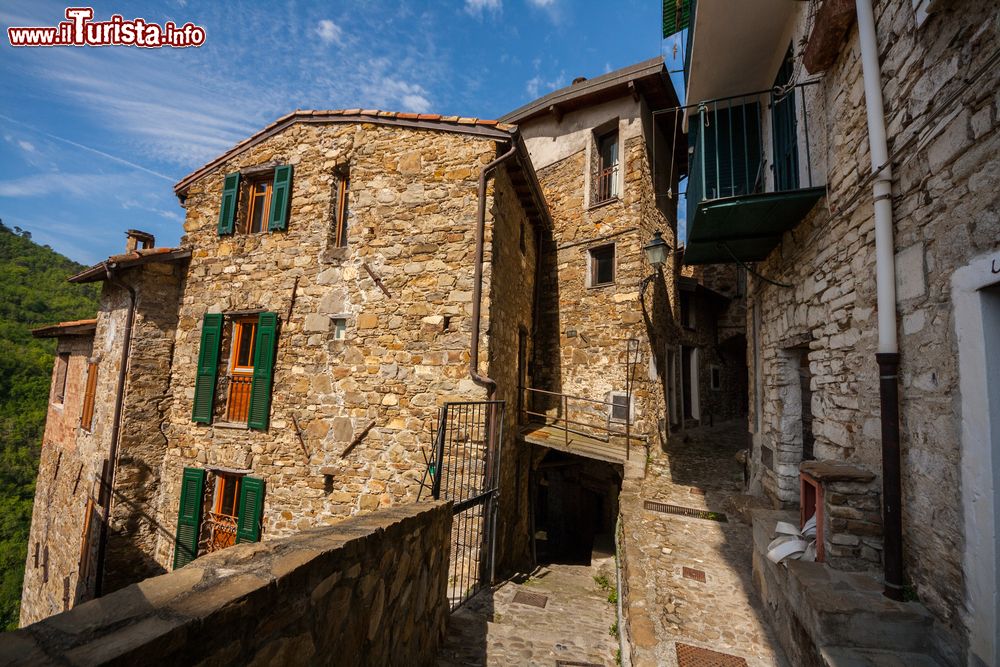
{"x": 370, "y": 590}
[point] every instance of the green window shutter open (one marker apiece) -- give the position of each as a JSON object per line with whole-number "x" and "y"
{"x": 208, "y": 362}
{"x": 251, "y": 510}
{"x": 280, "y": 196}
{"x": 263, "y": 371}
{"x": 676, "y": 16}
{"x": 189, "y": 516}
{"x": 227, "y": 210}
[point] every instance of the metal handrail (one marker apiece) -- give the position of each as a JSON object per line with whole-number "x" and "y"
{"x": 565, "y": 421}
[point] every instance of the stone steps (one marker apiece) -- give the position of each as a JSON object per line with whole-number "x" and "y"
{"x": 842, "y": 656}
{"x": 844, "y": 614}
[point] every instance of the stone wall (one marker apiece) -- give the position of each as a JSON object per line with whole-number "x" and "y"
{"x": 351, "y": 420}
{"x": 133, "y": 528}
{"x": 945, "y": 213}
{"x": 370, "y": 590}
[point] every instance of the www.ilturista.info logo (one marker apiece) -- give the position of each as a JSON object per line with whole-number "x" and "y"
{"x": 80, "y": 30}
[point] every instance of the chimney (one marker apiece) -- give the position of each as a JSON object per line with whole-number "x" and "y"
{"x": 579, "y": 79}
{"x": 138, "y": 238}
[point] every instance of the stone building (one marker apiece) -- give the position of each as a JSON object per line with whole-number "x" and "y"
{"x": 607, "y": 328}
{"x": 284, "y": 367}
{"x": 849, "y": 154}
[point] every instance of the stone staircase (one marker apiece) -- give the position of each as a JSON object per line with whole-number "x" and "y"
{"x": 831, "y": 618}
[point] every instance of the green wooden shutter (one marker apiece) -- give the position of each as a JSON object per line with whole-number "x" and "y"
{"x": 230, "y": 195}
{"x": 280, "y": 196}
{"x": 208, "y": 362}
{"x": 251, "y": 510}
{"x": 676, "y": 16}
{"x": 263, "y": 371}
{"x": 189, "y": 516}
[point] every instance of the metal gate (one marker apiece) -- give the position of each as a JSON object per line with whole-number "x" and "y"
{"x": 465, "y": 469}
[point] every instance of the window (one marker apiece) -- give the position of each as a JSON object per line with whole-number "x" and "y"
{"x": 233, "y": 513}
{"x": 339, "y": 328}
{"x": 687, "y": 312}
{"x": 607, "y": 168}
{"x": 62, "y": 367}
{"x": 87, "y": 416}
{"x": 716, "y": 378}
{"x": 620, "y": 408}
{"x": 340, "y": 216}
{"x": 241, "y": 369}
{"x": 249, "y": 372}
{"x": 224, "y": 513}
{"x": 602, "y": 265}
{"x": 259, "y": 205}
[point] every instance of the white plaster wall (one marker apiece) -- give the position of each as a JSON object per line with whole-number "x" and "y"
{"x": 977, "y": 328}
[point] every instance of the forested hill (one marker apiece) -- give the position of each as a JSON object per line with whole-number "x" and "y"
{"x": 33, "y": 292}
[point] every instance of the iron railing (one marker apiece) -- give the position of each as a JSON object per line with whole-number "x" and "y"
{"x": 596, "y": 416}
{"x": 748, "y": 144}
{"x": 465, "y": 468}
{"x": 238, "y": 406}
{"x": 606, "y": 184}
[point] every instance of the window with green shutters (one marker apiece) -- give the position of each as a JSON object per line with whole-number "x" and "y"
{"x": 251, "y": 510}
{"x": 263, "y": 371}
{"x": 208, "y": 366}
{"x": 189, "y": 516}
{"x": 230, "y": 199}
{"x": 280, "y": 196}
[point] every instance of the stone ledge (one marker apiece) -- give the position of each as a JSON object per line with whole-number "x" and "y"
{"x": 369, "y": 588}
{"x": 836, "y": 471}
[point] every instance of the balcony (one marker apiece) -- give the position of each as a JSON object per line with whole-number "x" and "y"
{"x": 750, "y": 174}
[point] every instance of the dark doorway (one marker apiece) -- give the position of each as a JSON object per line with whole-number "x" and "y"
{"x": 575, "y": 507}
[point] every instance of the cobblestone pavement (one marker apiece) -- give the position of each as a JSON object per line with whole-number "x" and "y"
{"x": 689, "y": 579}
{"x": 492, "y": 629}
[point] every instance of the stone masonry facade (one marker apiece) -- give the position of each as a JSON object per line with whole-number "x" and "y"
{"x": 946, "y": 207}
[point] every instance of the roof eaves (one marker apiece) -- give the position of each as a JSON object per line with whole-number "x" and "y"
{"x": 97, "y": 272}
{"x": 74, "y": 328}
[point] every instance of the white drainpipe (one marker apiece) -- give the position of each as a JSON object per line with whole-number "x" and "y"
{"x": 885, "y": 281}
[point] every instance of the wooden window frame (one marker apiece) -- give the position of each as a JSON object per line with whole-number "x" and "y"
{"x": 222, "y": 526}
{"x": 592, "y": 261}
{"x": 222, "y": 479}
{"x": 343, "y": 177}
{"x": 252, "y": 185}
{"x": 237, "y": 411}
{"x": 62, "y": 377}
{"x": 606, "y": 186}
{"x": 89, "y": 397}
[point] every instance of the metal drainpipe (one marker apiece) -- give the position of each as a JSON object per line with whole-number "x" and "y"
{"x": 888, "y": 345}
{"x": 477, "y": 288}
{"x": 115, "y": 428}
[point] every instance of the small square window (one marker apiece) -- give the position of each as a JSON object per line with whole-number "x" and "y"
{"x": 339, "y": 328}
{"x": 602, "y": 265}
{"x": 620, "y": 408}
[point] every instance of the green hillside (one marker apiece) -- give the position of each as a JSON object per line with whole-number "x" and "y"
{"x": 33, "y": 292}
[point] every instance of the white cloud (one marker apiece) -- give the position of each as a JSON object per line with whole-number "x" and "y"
{"x": 26, "y": 146}
{"x": 542, "y": 3}
{"x": 476, "y": 7}
{"x": 538, "y": 85}
{"x": 330, "y": 33}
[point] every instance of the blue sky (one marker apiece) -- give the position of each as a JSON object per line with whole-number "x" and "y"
{"x": 93, "y": 139}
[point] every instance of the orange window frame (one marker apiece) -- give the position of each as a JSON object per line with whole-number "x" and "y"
{"x": 87, "y": 415}
{"x": 252, "y": 207}
{"x": 223, "y": 481}
{"x": 238, "y": 327}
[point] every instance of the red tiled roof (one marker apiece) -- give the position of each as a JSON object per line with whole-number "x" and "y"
{"x": 76, "y": 327}
{"x": 487, "y": 128}
{"x": 134, "y": 258}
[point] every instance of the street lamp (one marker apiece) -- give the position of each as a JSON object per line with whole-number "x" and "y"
{"x": 656, "y": 251}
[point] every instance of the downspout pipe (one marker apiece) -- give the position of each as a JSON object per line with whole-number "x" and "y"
{"x": 477, "y": 288}
{"x": 887, "y": 356}
{"x": 109, "y": 483}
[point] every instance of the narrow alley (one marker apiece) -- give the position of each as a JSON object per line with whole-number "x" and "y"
{"x": 689, "y": 578}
